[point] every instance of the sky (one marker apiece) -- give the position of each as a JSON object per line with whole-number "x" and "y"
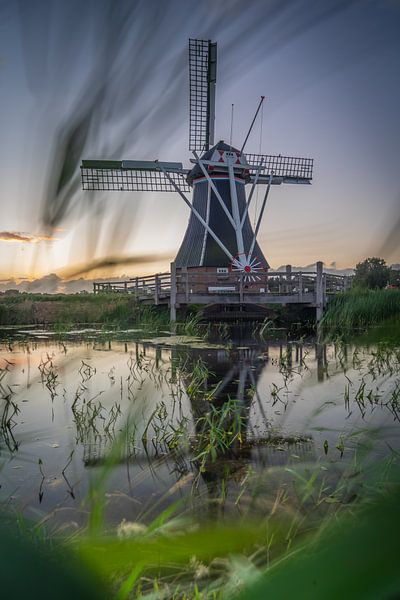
{"x": 109, "y": 79}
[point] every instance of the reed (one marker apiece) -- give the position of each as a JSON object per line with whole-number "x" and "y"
{"x": 359, "y": 308}
{"x": 63, "y": 311}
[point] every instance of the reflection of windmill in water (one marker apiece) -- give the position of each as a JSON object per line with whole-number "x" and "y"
{"x": 225, "y": 385}
{"x": 231, "y": 379}
{"x": 226, "y": 374}
{"x": 219, "y": 239}
{"x": 233, "y": 375}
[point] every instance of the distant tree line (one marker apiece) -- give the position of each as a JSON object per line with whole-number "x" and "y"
{"x": 374, "y": 273}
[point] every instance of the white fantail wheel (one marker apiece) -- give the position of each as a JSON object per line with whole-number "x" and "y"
{"x": 248, "y": 266}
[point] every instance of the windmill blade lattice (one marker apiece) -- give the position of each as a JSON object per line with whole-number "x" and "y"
{"x": 110, "y": 175}
{"x": 202, "y": 79}
{"x": 287, "y": 167}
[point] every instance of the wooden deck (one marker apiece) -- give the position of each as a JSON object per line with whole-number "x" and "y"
{"x": 211, "y": 286}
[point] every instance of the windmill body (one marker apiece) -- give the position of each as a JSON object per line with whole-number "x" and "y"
{"x": 199, "y": 248}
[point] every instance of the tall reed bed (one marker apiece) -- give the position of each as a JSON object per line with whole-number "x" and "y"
{"x": 359, "y": 308}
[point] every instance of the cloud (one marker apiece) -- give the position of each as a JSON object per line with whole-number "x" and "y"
{"x": 112, "y": 261}
{"x": 53, "y": 284}
{"x": 24, "y": 238}
{"x": 331, "y": 268}
{"x": 48, "y": 284}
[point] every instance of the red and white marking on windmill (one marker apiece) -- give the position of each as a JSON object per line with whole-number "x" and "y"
{"x": 227, "y": 156}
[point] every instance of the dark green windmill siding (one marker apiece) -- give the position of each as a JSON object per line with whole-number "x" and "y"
{"x": 190, "y": 252}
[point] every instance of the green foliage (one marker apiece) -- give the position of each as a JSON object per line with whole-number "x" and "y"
{"x": 218, "y": 430}
{"x": 356, "y": 557}
{"x": 347, "y": 555}
{"x": 371, "y": 273}
{"x": 394, "y": 277}
{"x": 156, "y": 550}
{"x": 361, "y": 308}
{"x": 33, "y": 567}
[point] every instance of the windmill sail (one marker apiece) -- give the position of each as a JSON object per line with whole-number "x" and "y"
{"x": 202, "y": 79}
{"x": 132, "y": 176}
{"x": 285, "y": 169}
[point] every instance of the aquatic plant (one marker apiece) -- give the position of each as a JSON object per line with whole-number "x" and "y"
{"x": 217, "y": 431}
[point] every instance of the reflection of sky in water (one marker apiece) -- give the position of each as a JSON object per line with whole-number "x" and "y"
{"x": 129, "y": 380}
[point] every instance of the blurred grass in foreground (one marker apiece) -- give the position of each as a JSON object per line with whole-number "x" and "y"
{"x": 355, "y": 557}
{"x": 350, "y": 551}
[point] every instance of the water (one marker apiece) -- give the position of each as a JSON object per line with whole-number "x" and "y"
{"x": 285, "y": 410}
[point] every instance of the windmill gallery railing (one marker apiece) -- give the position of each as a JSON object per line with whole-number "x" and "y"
{"x": 184, "y": 286}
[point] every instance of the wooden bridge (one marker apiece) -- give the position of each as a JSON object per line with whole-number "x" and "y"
{"x": 220, "y": 286}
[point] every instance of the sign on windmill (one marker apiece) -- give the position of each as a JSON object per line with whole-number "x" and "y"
{"x": 219, "y": 234}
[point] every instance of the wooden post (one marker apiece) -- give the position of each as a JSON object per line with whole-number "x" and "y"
{"x": 158, "y": 356}
{"x": 241, "y": 288}
{"x": 289, "y": 354}
{"x": 187, "y": 289}
{"x": 137, "y": 286}
{"x": 319, "y": 355}
{"x": 172, "y": 296}
{"x": 288, "y": 279}
{"x": 319, "y": 291}
{"x": 156, "y": 289}
{"x": 300, "y": 286}
{"x": 126, "y": 286}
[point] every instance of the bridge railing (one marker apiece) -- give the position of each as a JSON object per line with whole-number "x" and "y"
{"x": 154, "y": 287}
{"x": 191, "y": 282}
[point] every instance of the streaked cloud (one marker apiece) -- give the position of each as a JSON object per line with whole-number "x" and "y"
{"x": 113, "y": 261}
{"x": 24, "y": 238}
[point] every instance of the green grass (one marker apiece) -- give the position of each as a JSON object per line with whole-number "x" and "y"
{"x": 361, "y": 308}
{"x": 349, "y": 552}
{"x": 63, "y": 311}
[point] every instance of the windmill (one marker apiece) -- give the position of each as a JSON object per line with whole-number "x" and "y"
{"x": 219, "y": 235}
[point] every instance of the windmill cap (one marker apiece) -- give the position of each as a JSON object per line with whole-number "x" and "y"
{"x": 196, "y": 172}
